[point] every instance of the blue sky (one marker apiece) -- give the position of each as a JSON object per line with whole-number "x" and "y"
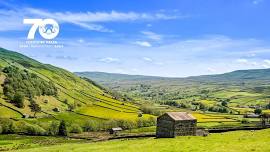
{"x": 175, "y": 38}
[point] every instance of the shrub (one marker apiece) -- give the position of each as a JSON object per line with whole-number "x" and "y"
{"x": 147, "y": 109}
{"x": 18, "y": 99}
{"x": 258, "y": 111}
{"x": 126, "y": 124}
{"x": 245, "y": 121}
{"x": 152, "y": 120}
{"x": 140, "y": 123}
{"x": 54, "y": 128}
{"x": 34, "y": 107}
{"x": 7, "y": 126}
{"x": 1, "y": 130}
{"x": 63, "y": 129}
{"x": 146, "y": 122}
{"x": 110, "y": 124}
{"x": 90, "y": 126}
{"x": 224, "y": 103}
{"x": 74, "y": 128}
{"x": 30, "y": 129}
{"x": 27, "y": 83}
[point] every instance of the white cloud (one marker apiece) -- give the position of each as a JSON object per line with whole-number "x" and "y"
{"x": 266, "y": 61}
{"x": 81, "y": 41}
{"x": 95, "y": 17}
{"x": 11, "y": 19}
{"x": 211, "y": 70}
{"x": 254, "y": 63}
{"x": 266, "y": 66}
{"x": 152, "y": 35}
{"x": 242, "y": 61}
{"x": 257, "y": 64}
{"x": 147, "y": 59}
{"x": 190, "y": 56}
{"x": 64, "y": 57}
{"x": 143, "y": 43}
{"x": 109, "y": 60}
{"x": 149, "y": 25}
{"x": 255, "y": 2}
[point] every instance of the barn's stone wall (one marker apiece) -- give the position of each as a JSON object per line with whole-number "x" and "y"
{"x": 168, "y": 127}
{"x": 185, "y": 128}
{"x": 165, "y": 126}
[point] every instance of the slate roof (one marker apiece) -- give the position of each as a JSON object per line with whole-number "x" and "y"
{"x": 180, "y": 116}
{"x": 117, "y": 129}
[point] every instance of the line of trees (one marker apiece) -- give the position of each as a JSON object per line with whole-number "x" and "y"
{"x": 20, "y": 84}
{"x": 63, "y": 128}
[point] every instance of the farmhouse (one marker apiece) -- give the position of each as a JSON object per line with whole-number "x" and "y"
{"x": 173, "y": 124}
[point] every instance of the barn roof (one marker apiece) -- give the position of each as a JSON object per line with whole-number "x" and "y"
{"x": 117, "y": 129}
{"x": 180, "y": 116}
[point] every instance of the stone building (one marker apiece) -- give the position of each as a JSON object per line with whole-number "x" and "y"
{"x": 173, "y": 124}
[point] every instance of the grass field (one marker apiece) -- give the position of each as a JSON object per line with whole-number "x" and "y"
{"x": 110, "y": 113}
{"x": 8, "y": 113}
{"x": 238, "y": 141}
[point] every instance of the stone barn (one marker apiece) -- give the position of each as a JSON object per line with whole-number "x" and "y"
{"x": 173, "y": 124}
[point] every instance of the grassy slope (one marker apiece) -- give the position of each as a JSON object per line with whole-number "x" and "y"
{"x": 70, "y": 86}
{"x": 238, "y": 141}
{"x": 243, "y": 87}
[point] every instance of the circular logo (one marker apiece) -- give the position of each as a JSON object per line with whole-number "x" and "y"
{"x": 48, "y": 28}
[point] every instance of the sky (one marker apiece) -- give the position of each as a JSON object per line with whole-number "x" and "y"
{"x": 172, "y": 38}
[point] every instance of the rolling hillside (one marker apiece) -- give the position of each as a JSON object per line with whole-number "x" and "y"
{"x": 253, "y": 75}
{"x": 61, "y": 94}
{"x": 244, "y": 90}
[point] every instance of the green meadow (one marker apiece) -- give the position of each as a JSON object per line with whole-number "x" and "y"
{"x": 237, "y": 141}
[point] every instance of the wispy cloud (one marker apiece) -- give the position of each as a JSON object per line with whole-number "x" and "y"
{"x": 255, "y": 63}
{"x": 143, "y": 43}
{"x": 255, "y": 2}
{"x": 152, "y": 35}
{"x": 242, "y": 61}
{"x": 11, "y": 19}
{"x": 266, "y": 61}
{"x": 63, "y": 57}
{"x": 149, "y": 25}
{"x": 190, "y": 56}
{"x": 147, "y": 59}
{"x": 95, "y": 17}
{"x": 109, "y": 60}
{"x": 211, "y": 70}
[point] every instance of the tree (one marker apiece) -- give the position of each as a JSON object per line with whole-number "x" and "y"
{"x": 62, "y": 129}
{"x": 28, "y": 84}
{"x": 224, "y": 103}
{"x": 35, "y": 107}
{"x": 71, "y": 106}
{"x": 54, "y": 128}
{"x": 258, "y": 111}
{"x": 18, "y": 99}
{"x": 268, "y": 106}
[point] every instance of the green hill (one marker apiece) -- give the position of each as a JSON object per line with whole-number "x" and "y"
{"x": 235, "y": 76}
{"x": 60, "y": 95}
{"x": 243, "y": 90}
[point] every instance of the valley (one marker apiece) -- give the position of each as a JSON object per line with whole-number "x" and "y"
{"x": 40, "y": 103}
{"x": 238, "y": 92}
